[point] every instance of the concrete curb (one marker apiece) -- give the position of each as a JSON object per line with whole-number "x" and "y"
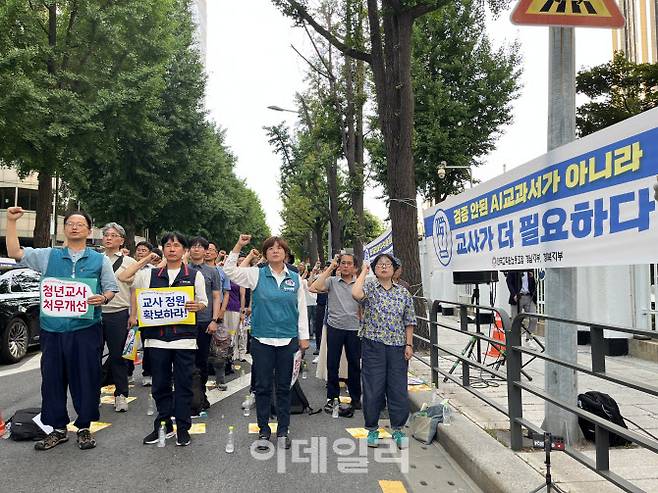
{"x": 491, "y": 465}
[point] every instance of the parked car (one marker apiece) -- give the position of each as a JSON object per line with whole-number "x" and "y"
{"x": 19, "y": 313}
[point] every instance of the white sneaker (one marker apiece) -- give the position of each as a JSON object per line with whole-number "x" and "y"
{"x": 147, "y": 381}
{"x": 315, "y": 360}
{"x": 120, "y": 404}
{"x": 249, "y": 402}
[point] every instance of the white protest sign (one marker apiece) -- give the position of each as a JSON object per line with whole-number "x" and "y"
{"x": 62, "y": 297}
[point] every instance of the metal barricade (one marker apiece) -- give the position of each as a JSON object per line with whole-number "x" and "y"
{"x": 515, "y": 386}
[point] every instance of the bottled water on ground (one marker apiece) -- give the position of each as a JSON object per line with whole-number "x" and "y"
{"x": 447, "y": 412}
{"x": 334, "y": 411}
{"x": 162, "y": 435}
{"x": 151, "y": 408}
{"x": 230, "y": 444}
{"x": 304, "y": 371}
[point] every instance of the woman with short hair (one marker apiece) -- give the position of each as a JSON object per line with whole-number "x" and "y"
{"x": 279, "y": 326}
{"x": 386, "y": 347}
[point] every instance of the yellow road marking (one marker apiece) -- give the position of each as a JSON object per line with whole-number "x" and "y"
{"x": 253, "y": 427}
{"x": 392, "y": 486}
{"x": 363, "y": 433}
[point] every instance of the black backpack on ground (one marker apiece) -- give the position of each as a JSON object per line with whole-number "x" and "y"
{"x": 23, "y": 427}
{"x": 298, "y": 401}
{"x": 606, "y": 407}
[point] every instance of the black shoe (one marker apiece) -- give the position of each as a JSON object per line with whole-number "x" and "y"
{"x": 263, "y": 442}
{"x": 85, "y": 439}
{"x": 183, "y": 438}
{"x": 51, "y": 440}
{"x": 152, "y": 437}
{"x": 346, "y": 411}
{"x": 329, "y": 406}
{"x": 283, "y": 441}
{"x": 316, "y": 353}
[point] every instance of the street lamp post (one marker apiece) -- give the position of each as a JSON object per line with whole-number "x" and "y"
{"x": 274, "y": 107}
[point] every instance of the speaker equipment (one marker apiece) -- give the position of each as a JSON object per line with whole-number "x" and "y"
{"x": 475, "y": 277}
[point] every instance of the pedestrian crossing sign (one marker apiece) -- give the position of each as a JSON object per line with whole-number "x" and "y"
{"x": 581, "y": 13}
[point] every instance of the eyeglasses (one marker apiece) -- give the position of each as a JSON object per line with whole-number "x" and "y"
{"x": 384, "y": 266}
{"x": 112, "y": 235}
{"x": 75, "y": 225}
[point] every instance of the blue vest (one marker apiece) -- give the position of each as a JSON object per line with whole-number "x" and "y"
{"x": 168, "y": 333}
{"x": 89, "y": 265}
{"x": 275, "y": 312}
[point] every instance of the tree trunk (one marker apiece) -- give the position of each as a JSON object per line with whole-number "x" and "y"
{"x": 317, "y": 233}
{"x": 391, "y": 64}
{"x": 131, "y": 230}
{"x": 334, "y": 218}
{"x": 44, "y": 209}
{"x": 41, "y": 231}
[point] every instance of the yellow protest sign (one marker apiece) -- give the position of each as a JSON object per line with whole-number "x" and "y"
{"x": 164, "y": 306}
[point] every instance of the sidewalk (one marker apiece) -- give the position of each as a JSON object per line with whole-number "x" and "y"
{"x": 635, "y": 464}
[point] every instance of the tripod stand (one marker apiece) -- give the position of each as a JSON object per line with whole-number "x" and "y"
{"x": 549, "y": 484}
{"x": 503, "y": 354}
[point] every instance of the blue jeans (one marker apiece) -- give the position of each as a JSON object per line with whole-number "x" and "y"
{"x": 273, "y": 367}
{"x": 71, "y": 360}
{"x": 384, "y": 373}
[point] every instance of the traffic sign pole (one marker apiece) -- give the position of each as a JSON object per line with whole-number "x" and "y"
{"x": 560, "y": 284}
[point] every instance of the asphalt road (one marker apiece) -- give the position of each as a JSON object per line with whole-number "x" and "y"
{"x": 121, "y": 463}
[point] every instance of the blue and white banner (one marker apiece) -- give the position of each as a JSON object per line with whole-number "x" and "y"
{"x": 382, "y": 244}
{"x": 587, "y": 203}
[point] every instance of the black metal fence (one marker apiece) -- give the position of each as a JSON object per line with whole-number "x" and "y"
{"x": 512, "y": 356}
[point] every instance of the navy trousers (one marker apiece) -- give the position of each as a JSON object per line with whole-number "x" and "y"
{"x": 202, "y": 352}
{"x": 115, "y": 330}
{"x": 71, "y": 360}
{"x": 273, "y": 367}
{"x": 168, "y": 404}
{"x": 384, "y": 371}
{"x": 337, "y": 339}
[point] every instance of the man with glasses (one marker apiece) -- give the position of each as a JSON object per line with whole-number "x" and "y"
{"x": 71, "y": 347}
{"x": 116, "y": 314}
{"x": 342, "y": 330}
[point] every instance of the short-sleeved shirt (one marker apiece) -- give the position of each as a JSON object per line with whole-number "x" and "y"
{"x": 233, "y": 298}
{"x": 224, "y": 281}
{"x": 343, "y": 309}
{"x": 121, "y": 300}
{"x": 37, "y": 259}
{"x": 212, "y": 281}
{"x": 386, "y": 313}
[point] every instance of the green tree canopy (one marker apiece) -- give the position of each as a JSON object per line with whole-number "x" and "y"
{"x": 617, "y": 90}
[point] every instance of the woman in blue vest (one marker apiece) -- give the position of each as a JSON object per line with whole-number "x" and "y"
{"x": 279, "y": 327}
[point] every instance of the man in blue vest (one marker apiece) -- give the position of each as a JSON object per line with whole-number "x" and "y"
{"x": 171, "y": 347}
{"x": 71, "y": 348}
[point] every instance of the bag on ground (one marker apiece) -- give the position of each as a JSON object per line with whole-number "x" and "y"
{"x": 23, "y": 426}
{"x": 606, "y": 407}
